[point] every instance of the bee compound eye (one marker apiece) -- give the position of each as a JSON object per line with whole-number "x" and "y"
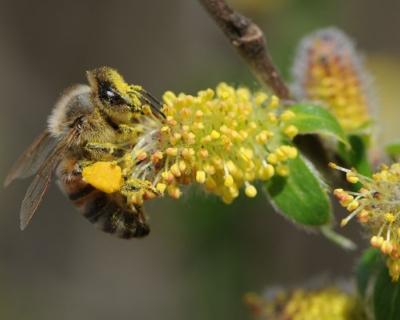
{"x": 113, "y": 98}
{"x": 108, "y": 94}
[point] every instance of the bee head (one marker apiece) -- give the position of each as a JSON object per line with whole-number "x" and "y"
{"x": 113, "y": 96}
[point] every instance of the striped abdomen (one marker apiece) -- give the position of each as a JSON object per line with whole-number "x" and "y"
{"x": 106, "y": 211}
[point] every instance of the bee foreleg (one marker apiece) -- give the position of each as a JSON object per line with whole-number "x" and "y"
{"x": 99, "y": 149}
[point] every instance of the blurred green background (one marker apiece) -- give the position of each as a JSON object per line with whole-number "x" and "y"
{"x": 201, "y": 255}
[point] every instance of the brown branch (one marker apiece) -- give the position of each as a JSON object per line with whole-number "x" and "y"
{"x": 249, "y": 41}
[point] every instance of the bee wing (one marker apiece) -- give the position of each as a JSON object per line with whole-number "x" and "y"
{"x": 32, "y": 159}
{"x": 40, "y": 183}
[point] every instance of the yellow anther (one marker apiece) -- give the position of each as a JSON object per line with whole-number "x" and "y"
{"x": 171, "y": 121}
{"x": 274, "y": 102}
{"x": 174, "y": 192}
{"x": 137, "y": 199}
{"x": 253, "y": 125}
{"x": 266, "y": 172}
{"x": 231, "y": 166}
{"x": 363, "y": 216}
{"x": 291, "y": 152}
{"x": 262, "y": 137}
{"x": 260, "y": 98}
{"x": 189, "y": 137}
{"x": 291, "y": 131}
{"x": 175, "y": 170}
{"x": 387, "y": 247}
{"x": 352, "y": 177}
{"x": 177, "y": 136}
{"x": 271, "y": 117}
{"x": 188, "y": 153}
{"x": 218, "y": 162}
{"x": 173, "y": 152}
{"x": 141, "y": 155}
{"x": 243, "y": 134}
{"x": 203, "y": 153}
{"x": 206, "y": 139}
{"x": 165, "y": 129}
{"x": 390, "y": 217}
{"x": 227, "y": 199}
{"x": 161, "y": 187}
{"x": 272, "y": 158}
{"x": 199, "y": 114}
{"x": 169, "y": 98}
{"x": 281, "y": 154}
{"x": 234, "y": 192}
{"x": 352, "y": 205}
{"x": 210, "y": 169}
{"x": 182, "y": 165}
{"x": 200, "y": 176}
{"x": 250, "y": 191}
{"x": 215, "y": 134}
{"x": 287, "y": 115}
{"x": 282, "y": 170}
{"x": 344, "y": 222}
{"x": 156, "y": 156}
{"x": 198, "y": 125}
{"x": 247, "y": 153}
{"x": 345, "y": 199}
{"x": 167, "y": 176}
{"x": 333, "y": 166}
{"x": 243, "y": 93}
{"x": 224, "y": 129}
{"x": 148, "y": 195}
{"x": 210, "y": 184}
{"x": 186, "y": 112}
{"x": 376, "y": 241}
{"x": 228, "y": 181}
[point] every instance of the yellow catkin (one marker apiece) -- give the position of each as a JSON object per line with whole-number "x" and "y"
{"x": 328, "y": 69}
{"x": 377, "y": 207}
{"x": 328, "y": 303}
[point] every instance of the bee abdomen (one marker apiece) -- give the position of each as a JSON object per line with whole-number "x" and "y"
{"x": 103, "y": 210}
{"x": 110, "y": 217}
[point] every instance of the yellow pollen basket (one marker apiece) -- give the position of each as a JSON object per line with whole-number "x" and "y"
{"x": 104, "y": 176}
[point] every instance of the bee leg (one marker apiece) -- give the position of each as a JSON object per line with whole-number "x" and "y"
{"x": 129, "y": 130}
{"x": 99, "y": 149}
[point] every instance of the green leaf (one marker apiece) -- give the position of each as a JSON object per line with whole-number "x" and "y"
{"x": 381, "y": 296}
{"x": 313, "y": 119}
{"x": 393, "y": 149}
{"x": 386, "y": 296}
{"x": 301, "y": 196}
{"x": 357, "y": 156}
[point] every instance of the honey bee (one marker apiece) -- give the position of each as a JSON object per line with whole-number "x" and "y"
{"x": 90, "y": 122}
